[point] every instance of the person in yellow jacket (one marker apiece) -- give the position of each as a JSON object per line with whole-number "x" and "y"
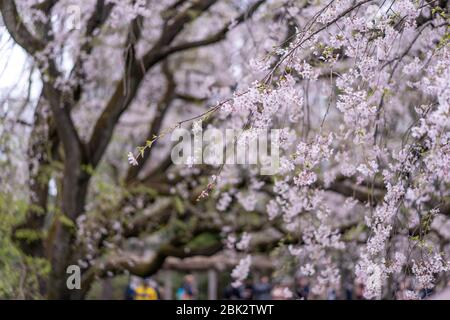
{"x": 146, "y": 291}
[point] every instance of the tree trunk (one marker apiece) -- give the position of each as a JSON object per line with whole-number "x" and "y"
{"x": 63, "y": 234}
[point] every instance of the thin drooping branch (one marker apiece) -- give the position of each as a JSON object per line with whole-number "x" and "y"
{"x": 156, "y": 123}
{"x": 136, "y": 69}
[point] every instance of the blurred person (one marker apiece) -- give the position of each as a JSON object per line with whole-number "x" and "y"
{"x": 425, "y": 293}
{"x": 247, "y": 293}
{"x": 262, "y": 289}
{"x": 348, "y": 291}
{"x": 302, "y": 288}
{"x": 331, "y": 294}
{"x": 359, "y": 291}
{"x": 400, "y": 290}
{"x": 233, "y": 293}
{"x": 130, "y": 290}
{"x": 187, "y": 290}
{"x": 148, "y": 290}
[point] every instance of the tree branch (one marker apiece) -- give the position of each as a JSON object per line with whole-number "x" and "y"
{"x": 156, "y": 123}
{"x": 218, "y": 36}
{"x": 18, "y": 31}
{"x": 128, "y": 86}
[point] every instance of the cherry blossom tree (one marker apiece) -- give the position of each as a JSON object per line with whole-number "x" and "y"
{"x": 357, "y": 89}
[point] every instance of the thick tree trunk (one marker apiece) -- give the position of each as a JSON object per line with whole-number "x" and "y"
{"x": 63, "y": 234}
{"x": 72, "y": 196}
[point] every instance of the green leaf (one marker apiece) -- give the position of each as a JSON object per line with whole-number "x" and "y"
{"x": 178, "y": 205}
{"x": 28, "y": 235}
{"x": 203, "y": 240}
{"x": 141, "y": 151}
{"x": 65, "y": 220}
